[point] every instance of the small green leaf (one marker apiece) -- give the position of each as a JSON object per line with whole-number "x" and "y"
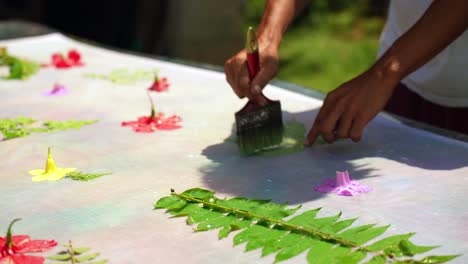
{"x": 316, "y": 253}
{"x": 87, "y": 257}
{"x": 295, "y": 249}
{"x": 198, "y": 193}
{"x": 82, "y": 250}
{"x": 366, "y": 235}
{"x": 339, "y": 226}
{"x": 387, "y": 242}
{"x": 59, "y": 257}
{"x": 170, "y": 202}
{"x": 80, "y": 176}
{"x": 407, "y": 248}
{"x": 438, "y": 259}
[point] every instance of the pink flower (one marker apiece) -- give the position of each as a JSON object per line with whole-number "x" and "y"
{"x": 159, "y": 85}
{"x": 14, "y": 247}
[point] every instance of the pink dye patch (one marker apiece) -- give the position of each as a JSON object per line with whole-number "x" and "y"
{"x": 148, "y": 124}
{"x": 57, "y": 90}
{"x": 342, "y": 185}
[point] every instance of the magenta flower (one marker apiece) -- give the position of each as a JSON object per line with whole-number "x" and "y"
{"x": 14, "y": 247}
{"x": 57, "y": 90}
{"x": 342, "y": 185}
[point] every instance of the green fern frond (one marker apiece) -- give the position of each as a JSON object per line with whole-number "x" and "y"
{"x": 125, "y": 76}
{"x": 80, "y": 176}
{"x": 263, "y": 226}
{"x": 22, "y": 126}
{"x": 76, "y": 255}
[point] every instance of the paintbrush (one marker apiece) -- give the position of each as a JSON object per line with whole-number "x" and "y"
{"x": 259, "y": 127}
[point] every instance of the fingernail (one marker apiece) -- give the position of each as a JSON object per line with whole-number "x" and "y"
{"x": 256, "y": 89}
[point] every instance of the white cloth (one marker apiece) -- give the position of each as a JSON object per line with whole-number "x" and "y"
{"x": 444, "y": 79}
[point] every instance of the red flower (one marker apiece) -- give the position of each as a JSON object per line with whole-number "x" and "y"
{"x": 13, "y": 247}
{"x": 148, "y": 124}
{"x": 159, "y": 85}
{"x": 59, "y": 61}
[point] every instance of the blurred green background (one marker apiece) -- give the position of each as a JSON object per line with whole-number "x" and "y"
{"x": 329, "y": 43}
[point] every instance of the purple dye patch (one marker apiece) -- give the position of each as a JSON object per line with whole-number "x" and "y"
{"x": 342, "y": 185}
{"x": 57, "y": 90}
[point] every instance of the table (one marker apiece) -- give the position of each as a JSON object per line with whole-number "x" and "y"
{"x": 419, "y": 178}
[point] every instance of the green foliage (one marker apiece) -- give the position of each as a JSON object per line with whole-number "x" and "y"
{"x": 76, "y": 255}
{"x": 22, "y": 126}
{"x": 64, "y": 125}
{"x": 20, "y": 69}
{"x": 124, "y": 76}
{"x": 12, "y": 128}
{"x": 80, "y": 176}
{"x": 331, "y": 42}
{"x": 263, "y": 226}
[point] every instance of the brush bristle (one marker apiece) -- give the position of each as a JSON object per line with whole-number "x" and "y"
{"x": 260, "y": 129}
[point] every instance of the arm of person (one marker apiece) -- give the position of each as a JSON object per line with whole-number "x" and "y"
{"x": 276, "y": 18}
{"x": 349, "y": 108}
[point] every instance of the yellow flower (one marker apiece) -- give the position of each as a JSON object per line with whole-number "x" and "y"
{"x": 51, "y": 172}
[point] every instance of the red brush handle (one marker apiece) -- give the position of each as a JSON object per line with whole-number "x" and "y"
{"x": 253, "y": 61}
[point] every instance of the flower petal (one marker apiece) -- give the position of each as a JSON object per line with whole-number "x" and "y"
{"x": 36, "y": 172}
{"x": 37, "y": 246}
{"x": 24, "y": 259}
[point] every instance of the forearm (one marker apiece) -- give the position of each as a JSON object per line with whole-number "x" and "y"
{"x": 277, "y": 16}
{"x": 441, "y": 24}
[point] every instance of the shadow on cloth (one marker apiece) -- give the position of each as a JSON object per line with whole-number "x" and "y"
{"x": 292, "y": 177}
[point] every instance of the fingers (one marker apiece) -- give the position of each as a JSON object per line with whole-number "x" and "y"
{"x": 356, "y": 131}
{"x": 326, "y": 122}
{"x": 312, "y": 136}
{"x": 237, "y": 75}
{"x": 344, "y": 125}
{"x": 268, "y": 71}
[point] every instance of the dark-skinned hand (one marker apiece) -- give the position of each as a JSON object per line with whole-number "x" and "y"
{"x": 349, "y": 108}
{"x": 237, "y": 73}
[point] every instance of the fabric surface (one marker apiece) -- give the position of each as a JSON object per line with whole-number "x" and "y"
{"x": 419, "y": 179}
{"x": 444, "y": 79}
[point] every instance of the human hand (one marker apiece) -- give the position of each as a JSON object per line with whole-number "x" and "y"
{"x": 347, "y": 110}
{"x": 237, "y": 73}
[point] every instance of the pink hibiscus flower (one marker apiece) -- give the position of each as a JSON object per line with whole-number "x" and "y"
{"x": 14, "y": 247}
{"x": 159, "y": 85}
{"x": 155, "y": 121}
{"x": 61, "y": 62}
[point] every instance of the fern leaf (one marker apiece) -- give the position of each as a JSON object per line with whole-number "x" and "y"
{"x": 76, "y": 255}
{"x": 263, "y": 226}
{"x": 80, "y": 176}
{"x": 23, "y": 126}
